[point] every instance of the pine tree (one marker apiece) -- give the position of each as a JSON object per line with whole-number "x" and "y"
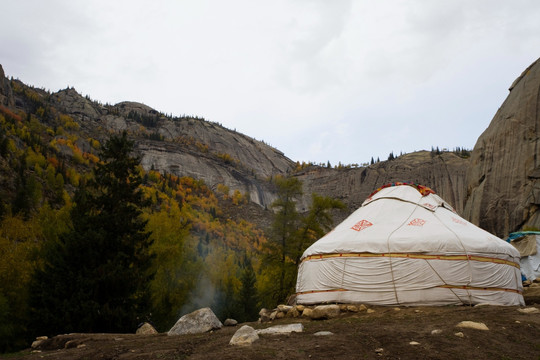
{"x": 247, "y": 297}
{"x": 284, "y": 228}
{"x": 95, "y": 278}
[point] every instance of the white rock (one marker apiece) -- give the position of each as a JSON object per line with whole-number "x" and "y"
{"x": 529, "y": 310}
{"x": 244, "y": 336}
{"x": 36, "y": 344}
{"x": 459, "y": 334}
{"x": 284, "y": 308}
{"x": 370, "y": 311}
{"x": 281, "y": 329}
{"x": 323, "y": 333}
{"x": 197, "y": 322}
{"x": 414, "y": 343}
{"x": 472, "y": 325}
{"x": 230, "y": 322}
{"x": 436, "y": 332}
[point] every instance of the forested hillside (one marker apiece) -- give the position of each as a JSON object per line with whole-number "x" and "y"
{"x": 205, "y": 250}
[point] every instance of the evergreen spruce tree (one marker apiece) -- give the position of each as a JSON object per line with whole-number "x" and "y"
{"x": 95, "y": 278}
{"x": 283, "y": 230}
{"x": 247, "y": 297}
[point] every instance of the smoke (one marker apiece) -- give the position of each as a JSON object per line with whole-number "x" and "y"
{"x": 205, "y": 294}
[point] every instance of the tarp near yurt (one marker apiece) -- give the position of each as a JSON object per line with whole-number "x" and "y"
{"x": 528, "y": 245}
{"x": 407, "y": 246}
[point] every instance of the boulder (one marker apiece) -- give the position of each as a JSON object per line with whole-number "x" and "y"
{"x": 230, "y": 322}
{"x": 245, "y": 336}
{"x": 325, "y": 312}
{"x": 146, "y": 329}
{"x": 281, "y": 329}
{"x": 293, "y": 312}
{"x": 307, "y": 312}
{"x": 472, "y": 325}
{"x": 264, "y": 315}
{"x": 199, "y": 321}
{"x": 39, "y": 340}
{"x": 284, "y": 308}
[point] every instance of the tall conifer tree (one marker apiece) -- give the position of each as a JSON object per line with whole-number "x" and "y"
{"x": 95, "y": 278}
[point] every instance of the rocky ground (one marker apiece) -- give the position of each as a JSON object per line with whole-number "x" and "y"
{"x": 381, "y": 333}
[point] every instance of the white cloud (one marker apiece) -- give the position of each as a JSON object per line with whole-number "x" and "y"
{"x": 321, "y": 80}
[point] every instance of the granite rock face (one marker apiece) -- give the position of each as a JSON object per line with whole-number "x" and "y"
{"x": 503, "y": 182}
{"x": 6, "y": 93}
{"x": 444, "y": 173}
{"x": 185, "y": 146}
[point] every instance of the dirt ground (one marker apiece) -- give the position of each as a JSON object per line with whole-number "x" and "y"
{"x": 386, "y": 333}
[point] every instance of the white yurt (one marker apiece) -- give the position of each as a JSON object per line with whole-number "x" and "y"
{"x": 407, "y": 246}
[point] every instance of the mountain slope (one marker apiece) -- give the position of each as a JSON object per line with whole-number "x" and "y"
{"x": 503, "y": 182}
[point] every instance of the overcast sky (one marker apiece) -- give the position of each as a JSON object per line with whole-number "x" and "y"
{"x": 321, "y": 80}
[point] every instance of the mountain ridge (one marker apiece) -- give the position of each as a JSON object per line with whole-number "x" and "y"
{"x": 192, "y": 146}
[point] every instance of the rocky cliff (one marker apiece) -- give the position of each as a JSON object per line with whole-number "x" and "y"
{"x": 444, "y": 173}
{"x": 497, "y": 188}
{"x": 6, "y": 94}
{"x": 186, "y": 146}
{"x": 503, "y": 182}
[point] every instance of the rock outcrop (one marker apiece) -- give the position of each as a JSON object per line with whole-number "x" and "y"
{"x": 6, "y": 93}
{"x": 503, "y": 182}
{"x": 185, "y": 146}
{"x": 444, "y": 173}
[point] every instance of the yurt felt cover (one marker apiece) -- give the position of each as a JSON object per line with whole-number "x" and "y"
{"x": 407, "y": 246}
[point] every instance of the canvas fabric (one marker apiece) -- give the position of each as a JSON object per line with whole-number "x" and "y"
{"x": 406, "y": 248}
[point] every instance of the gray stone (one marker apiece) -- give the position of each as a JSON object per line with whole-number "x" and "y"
{"x": 323, "y": 333}
{"x": 502, "y": 179}
{"x": 230, "y": 322}
{"x": 199, "y": 321}
{"x": 281, "y": 329}
{"x": 244, "y": 336}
